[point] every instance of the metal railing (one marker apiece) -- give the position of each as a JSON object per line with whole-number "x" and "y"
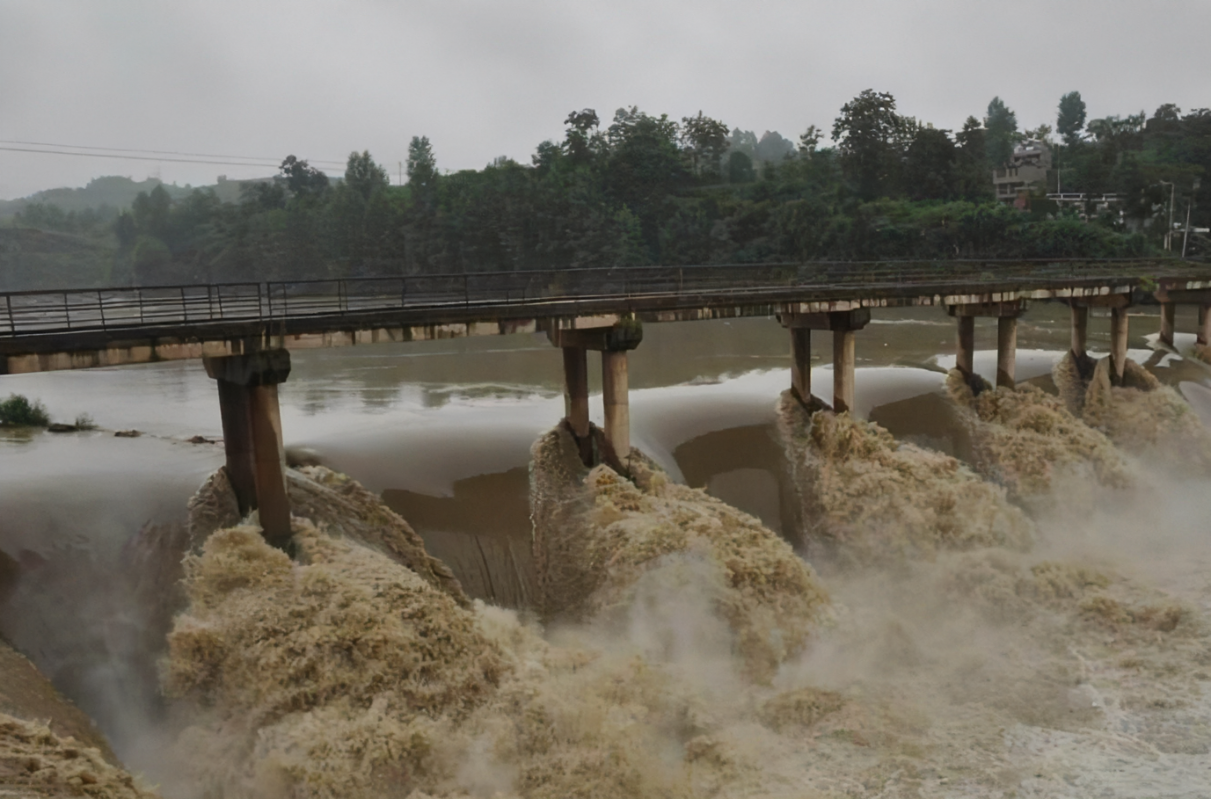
{"x": 126, "y": 309}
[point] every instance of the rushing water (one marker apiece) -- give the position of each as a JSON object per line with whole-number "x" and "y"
{"x": 443, "y": 431}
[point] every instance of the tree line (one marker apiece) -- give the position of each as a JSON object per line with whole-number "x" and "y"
{"x": 644, "y": 189}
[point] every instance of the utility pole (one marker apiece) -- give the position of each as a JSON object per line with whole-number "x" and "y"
{"x": 1189, "y": 206}
{"x": 1169, "y": 230}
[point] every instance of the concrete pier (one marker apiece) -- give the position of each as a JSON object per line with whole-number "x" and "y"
{"x": 614, "y": 393}
{"x": 269, "y": 457}
{"x": 843, "y": 370}
{"x": 235, "y": 407}
{"x": 843, "y": 325}
{"x": 1168, "y": 314}
{"x": 801, "y": 363}
{"x": 613, "y": 338}
{"x": 1204, "y": 324}
{"x": 252, "y": 435}
{"x": 1006, "y": 314}
{"x": 1080, "y": 330}
{"x": 1118, "y": 342}
{"x": 965, "y": 352}
{"x": 1007, "y": 350}
{"x": 1118, "y": 305}
{"x": 576, "y": 398}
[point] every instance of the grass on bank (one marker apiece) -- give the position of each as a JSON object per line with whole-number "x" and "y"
{"x": 17, "y": 411}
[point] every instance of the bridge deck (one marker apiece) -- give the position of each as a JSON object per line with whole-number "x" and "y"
{"x": 43, "y": 331}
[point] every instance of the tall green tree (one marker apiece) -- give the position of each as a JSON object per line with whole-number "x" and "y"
{"x": 302, "y": 179}
{"x": 645, "y": 167}
{"x": 645, "y": 159}
{"x": 125, "y": 229}
{"x": 809, "y": 140}
{"x": 1070, "y": 120}
{"x": 868, "y": 141}
{"x": 151, "y": 211}
{"x": 929, "y": 166}
{"x": 364, "y": 176}
{"x": 422, "y": 171}
{"x": 973, "y": 174}
{"x": 582, "y": 142}
{"x": 773, "y": 147}
{"x": 422, "y": 165}
{"x": 744, "y": 141}
{"x": 1001, "y": 133}
{"x": 740, "y": 167}
{"x": 706, "y": 142}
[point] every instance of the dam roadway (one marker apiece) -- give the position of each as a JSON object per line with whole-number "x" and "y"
{"x": 72, "y": 329}
{"x": 243, "y": 332}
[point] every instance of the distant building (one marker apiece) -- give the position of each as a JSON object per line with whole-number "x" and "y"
{"x": 1089, "y": 205}
{"x": 1026, "y": 172}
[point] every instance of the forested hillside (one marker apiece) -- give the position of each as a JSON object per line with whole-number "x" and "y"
{"x": 642, "y": 189}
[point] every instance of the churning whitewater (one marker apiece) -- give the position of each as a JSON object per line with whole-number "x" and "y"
{"x": 1025, "y": 617}
{"x": 680, "y": 648}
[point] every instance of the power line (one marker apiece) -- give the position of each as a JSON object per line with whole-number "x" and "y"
{"x": 137, "y": 157}
{"x": 152, "y": 155}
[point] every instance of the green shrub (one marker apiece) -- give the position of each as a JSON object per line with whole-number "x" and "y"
{"x": 17, "y": 411}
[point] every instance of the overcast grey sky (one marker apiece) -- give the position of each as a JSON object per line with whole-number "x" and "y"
{"x": 484, "y": 78}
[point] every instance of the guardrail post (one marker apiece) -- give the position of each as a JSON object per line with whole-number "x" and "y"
{"x": 466, "y": 291}
{"x": 66, "y": 311}
{"x": 12, "y": 324}
{"x": 101, "y": 309}
{"x": 184, "y": 306}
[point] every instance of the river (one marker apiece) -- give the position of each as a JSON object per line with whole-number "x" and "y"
{"x": 443, "y": 431}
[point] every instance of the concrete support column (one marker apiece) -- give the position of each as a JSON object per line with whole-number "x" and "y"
{"x": 1080, "y": 329}
{"x": 801, "y": 363}
{"x": 237, "y": 442}
{"x": 1204, "y": 324}
{"x": 617, "y": 404}
{"x": 1118, "y": 342}
{"x": 252, "y": 435}
{"x": 800, "y": 322}
{"x": 273, "y": 503}
{"x": 1168, "y": 314}
{"x": 843, "y": 371}
{"x": 613, "y": 338}
{"x": 576, "y": 398}
{"x": 966, "y": 352}
{"x": 1007, "y": 350}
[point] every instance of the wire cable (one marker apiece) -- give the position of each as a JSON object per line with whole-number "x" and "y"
{"x": 151, "y": 155}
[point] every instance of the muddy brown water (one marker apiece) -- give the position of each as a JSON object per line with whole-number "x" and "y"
{"x": 443, "y": 431}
